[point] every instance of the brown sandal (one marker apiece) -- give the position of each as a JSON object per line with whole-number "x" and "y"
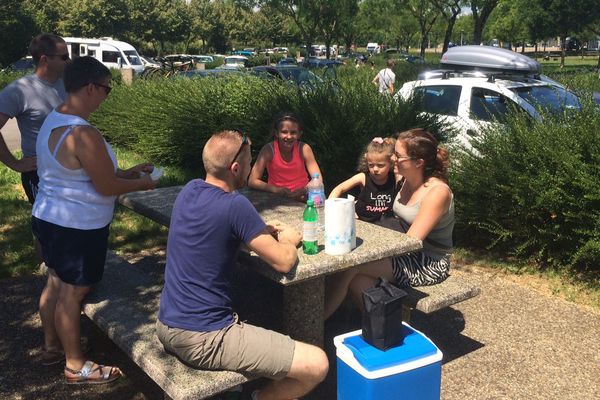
{"x": 84, "y": 375}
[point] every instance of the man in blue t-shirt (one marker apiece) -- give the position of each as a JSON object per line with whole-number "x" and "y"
{"x": 196, "y": 322}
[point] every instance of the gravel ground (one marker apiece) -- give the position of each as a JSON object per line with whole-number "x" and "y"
{"x": 511, "y": 342}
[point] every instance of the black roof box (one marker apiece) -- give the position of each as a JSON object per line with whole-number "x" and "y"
{"x": 487, "y": 58}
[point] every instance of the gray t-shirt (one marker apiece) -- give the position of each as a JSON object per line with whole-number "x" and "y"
{"x": 30, "y": 99}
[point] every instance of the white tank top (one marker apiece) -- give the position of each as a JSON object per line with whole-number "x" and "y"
{"x": 67, "y": 197}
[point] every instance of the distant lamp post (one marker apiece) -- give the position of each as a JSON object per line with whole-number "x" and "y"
{"x": 462, "y": 33}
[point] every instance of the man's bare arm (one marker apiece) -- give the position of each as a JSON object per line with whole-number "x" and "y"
{"x": 6, "y": 157}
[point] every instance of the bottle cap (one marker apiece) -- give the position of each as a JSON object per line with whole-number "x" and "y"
{"x": 310, "y": 202}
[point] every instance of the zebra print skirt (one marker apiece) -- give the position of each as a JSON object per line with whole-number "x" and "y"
{"x": 418, "y": 269}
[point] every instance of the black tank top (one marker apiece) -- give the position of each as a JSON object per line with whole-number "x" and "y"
{"x": 374, "y": 200}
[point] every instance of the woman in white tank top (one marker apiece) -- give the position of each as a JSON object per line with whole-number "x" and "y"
{"x": 79, "y": 181}
{"x": 424, "y": 210}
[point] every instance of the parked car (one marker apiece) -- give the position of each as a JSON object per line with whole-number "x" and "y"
{"x": 373, "y": 48}
{"x": 234, "y": 62}
{"x": 281, "y": 50}
{"x": 313, "y": 62}
{"x": 25, "y": 64}
{"x": 203, "y": 59}
{"x": 149, "y": 62}
{"x": 245, "y": 53}
{"x": 480, "y": 85}
{"x": 301, "y": 77}
{"x": 287, "y": 61}
{"x": 415, "y": 59}
{"x": 353, "y": 56}
{"x": 203, "y": 73}
{"x": 395, "y": 53}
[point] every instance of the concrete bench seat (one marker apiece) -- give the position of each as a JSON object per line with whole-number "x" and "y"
{"x": 124, "y": 305}
{"x": 429, "y": 299}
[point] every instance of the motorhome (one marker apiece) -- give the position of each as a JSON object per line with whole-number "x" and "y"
{"x": 110, "y": 52}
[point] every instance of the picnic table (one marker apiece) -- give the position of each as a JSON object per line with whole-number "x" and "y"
{"x": 304, "y": 285}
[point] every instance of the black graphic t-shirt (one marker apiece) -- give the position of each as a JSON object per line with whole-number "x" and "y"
{"x": 374, "y": 200}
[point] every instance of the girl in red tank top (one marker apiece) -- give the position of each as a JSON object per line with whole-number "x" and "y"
{"x": 288, "y": 161}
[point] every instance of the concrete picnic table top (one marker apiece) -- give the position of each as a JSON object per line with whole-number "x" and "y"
{"x": 373, "y": 242}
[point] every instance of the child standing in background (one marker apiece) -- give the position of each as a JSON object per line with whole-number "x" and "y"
{"x": 377, "y": 181}
{"x": 286, "y": 160}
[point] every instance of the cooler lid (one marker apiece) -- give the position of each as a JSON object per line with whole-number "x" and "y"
{"x": 416, "y": 346}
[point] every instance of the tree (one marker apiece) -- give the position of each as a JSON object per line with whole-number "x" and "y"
{"x": 334, "y": 14}
{"x": 94, "y": 18}
{"x": 387, "y": 21}
{"x": 566, "y": 17}
{"x": 449, "y": 10}
{"x": 508, "y": 23}
{"x": 481, "y": 10}
{"x": 46, "y": 13}
{"x": 426, "y": 14}
{"x": 304, "y": 13}
{"x": 17, "y": 28}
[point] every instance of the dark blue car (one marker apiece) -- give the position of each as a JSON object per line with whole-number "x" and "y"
{"x": 313, "y": 62}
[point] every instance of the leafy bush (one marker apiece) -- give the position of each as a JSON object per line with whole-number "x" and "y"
{"x": 168, "y": 121}
{"x": 581, "y": 81}
{"x": 218, "y": 61}
{"x": 262, "y": 60}
{"x": 534, "y": 191}
{"x": 8, "y": 77}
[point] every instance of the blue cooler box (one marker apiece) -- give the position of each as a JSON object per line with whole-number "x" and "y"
{"x": 411, "y": 371}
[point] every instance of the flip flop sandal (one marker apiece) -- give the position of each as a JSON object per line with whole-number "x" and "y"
{"x": 84, "y": 375}
{"x": 52, "y": 357}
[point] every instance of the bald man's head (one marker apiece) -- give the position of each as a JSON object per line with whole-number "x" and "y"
{"x": 220, "y": 150}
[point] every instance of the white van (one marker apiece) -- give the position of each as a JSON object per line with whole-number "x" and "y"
{"x": 373, "y": 48}
{"x": 112, "y": 53}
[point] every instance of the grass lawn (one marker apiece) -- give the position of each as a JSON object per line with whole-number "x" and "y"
{"x": 130, "y": 233}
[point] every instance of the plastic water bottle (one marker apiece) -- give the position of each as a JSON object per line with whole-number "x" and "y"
{"x": 316, "y": 190}
{"x": 309, "y": 231}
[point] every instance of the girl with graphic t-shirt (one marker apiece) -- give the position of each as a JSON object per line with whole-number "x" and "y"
{"x": 286, "y": 161}
{"x": 377, "y": 181}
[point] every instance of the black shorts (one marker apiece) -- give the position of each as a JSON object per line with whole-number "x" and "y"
{"x": 76, "y": 255}
{"x": 30, "y": 182}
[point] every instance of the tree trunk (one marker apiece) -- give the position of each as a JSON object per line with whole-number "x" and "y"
{"x": 477, "y": 31}
{"x": 563, "y": 50}
{"x": 448, "y": 34}
{"x": 328, "y": 48}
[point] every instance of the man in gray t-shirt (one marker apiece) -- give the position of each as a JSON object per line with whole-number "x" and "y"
{"x": 30, "y": 99}
{"x": 385, "y": 79}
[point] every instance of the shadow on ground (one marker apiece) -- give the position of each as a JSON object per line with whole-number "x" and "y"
{"x": 257, "y": 301}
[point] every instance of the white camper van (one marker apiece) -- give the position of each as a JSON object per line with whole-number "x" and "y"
{"x": 112, "y": 53}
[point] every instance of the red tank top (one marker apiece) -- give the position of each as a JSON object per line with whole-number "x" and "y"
{"x": 291, "y": 175}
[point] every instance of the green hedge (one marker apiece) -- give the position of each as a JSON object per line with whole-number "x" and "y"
{"x": 169, "y": 121}
{"x": 8, "y": 77}
{"x": 534, "y": 191}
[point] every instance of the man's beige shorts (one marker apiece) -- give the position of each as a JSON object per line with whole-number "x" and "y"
{"x": 238, "y": 347}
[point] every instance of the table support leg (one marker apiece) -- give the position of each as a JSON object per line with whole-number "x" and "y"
{"x": 303, "y": 305}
